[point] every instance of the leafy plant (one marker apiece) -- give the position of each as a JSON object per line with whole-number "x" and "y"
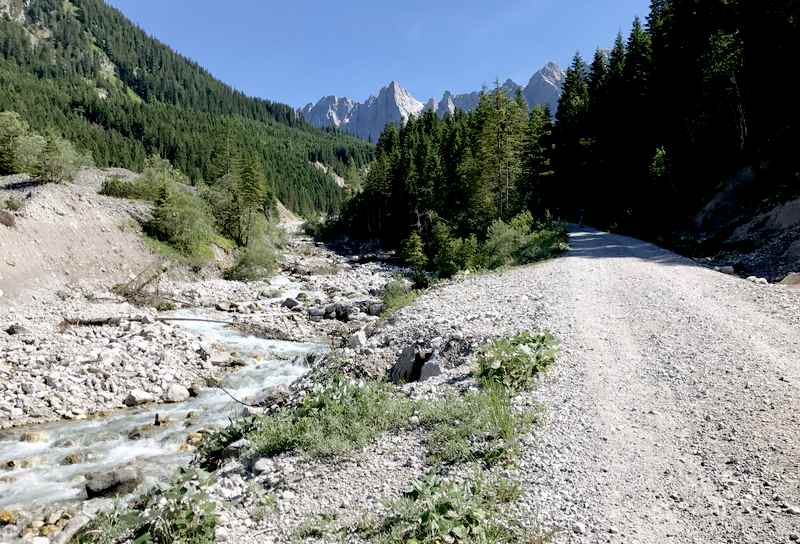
{"x": 514, "y": 362}
{"x": 179, "y": 512}
{"x": 436, "y": 510}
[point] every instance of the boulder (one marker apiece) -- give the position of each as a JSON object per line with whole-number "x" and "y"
{"x": 290, "y": 303}
{"x": 726, "y": 270}
{"x": 114, "y": 483}
{"x": 358, "y": 340}
{"x": 262, "y": 465}
{"x": 415, "y": 364}
{"x": 7, "y": 219}
{"x": 137, "y": 397}
{"x": 792, "y": 280}
{"x": 176, "y": 393}
{"x": 375, "y": 309}
{"x": 429, "y": 370}
{"x": 17, "y": 330}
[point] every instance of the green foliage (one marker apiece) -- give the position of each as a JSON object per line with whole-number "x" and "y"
{"x": 332, "y": 420}
{"x": 412, "y": 252}
{"x": 255, "y": 262}
{"x": 58, "y": 161}
{"x": 437, "y": 510}
{"x": 479, "y": 426}
{"x": 117, "y": 187}
{"x": 12, "y": 204}
{"x": 179, "y": 512}
{"x": 212, "y": 450}
{"x": 396, "y": 295}
{"x": 24, "y": 151}
{"x": 521, "y": 242}
{"x": 182, "y": 220}
{"x": 514, "y": 362}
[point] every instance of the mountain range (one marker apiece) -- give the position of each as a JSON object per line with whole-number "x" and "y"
{"x": 394, "y": 104}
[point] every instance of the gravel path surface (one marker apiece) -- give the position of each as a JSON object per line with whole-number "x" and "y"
{"x": 673, "y": 413}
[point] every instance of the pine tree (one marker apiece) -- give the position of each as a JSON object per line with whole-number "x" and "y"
{"x": 251, "y": 195}
{"x": 536, "y": 168}
{"x": 574, "y": 101}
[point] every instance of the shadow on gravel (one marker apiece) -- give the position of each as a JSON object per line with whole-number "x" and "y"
{"x": 592, "y": 244}
{"x": 20, "y": 185}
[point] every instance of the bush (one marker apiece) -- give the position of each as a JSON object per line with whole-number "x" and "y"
{"x": 117, "y": 187}
{"x": 514, "y": 362}
{"x": 521, "y": 241}
{"x": 58, "y": 161}
{"x": 182, "y": 220}
{"x": 480, "y": 426}
{"x": 412, "y": 251}
{"x": 253, "y": 263}
{"x": 52, "y": 159}
{"x": 396, "y": 295}
{"x": 332, "y": 420}
{"x": 12, "y": 204}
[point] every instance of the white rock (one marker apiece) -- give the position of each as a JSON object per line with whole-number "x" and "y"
{"x": 176, "y": 393}
{"x": 358, "y": 340}
{"x": 262, "y": 465}
{"x": 138, "y": 397}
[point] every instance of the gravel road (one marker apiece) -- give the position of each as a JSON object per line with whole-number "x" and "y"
{"x": 673, "y": 413}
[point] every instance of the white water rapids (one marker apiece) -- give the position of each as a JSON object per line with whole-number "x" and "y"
{"x": 35, "y": 473}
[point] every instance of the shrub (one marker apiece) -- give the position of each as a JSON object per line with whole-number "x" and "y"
{"x": 514, "y": 362}
{"x": 117, "y": 187}
{"x": 253, "y": 263}
{"x": 332, "y": 420}
{"x": 58, "y": 161}
{"x": 521, "y": 242}
{"x": 396, "y": 295}
{"x": 412, "y": 251}
{"x": 480, "y": 426}
{"x": 12, "y": 204}
{"x": 182, "y": 220}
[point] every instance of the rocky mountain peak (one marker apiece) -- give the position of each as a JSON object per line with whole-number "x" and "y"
{"x": 395, "y": 104}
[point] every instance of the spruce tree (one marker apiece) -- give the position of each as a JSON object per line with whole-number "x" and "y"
{"x": 251, "y": 195}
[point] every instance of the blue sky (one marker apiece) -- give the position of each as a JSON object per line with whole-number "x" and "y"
{"x": 299, "y": 50}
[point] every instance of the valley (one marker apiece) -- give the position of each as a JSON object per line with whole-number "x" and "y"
{"x": 642, "y": 431}
{"x": 559, "y": 312}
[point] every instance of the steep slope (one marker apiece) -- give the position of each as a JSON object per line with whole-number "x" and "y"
{"x": 67, "y": 236}
{"x": 393, "y": 104}
{"x": 82, "y": 69}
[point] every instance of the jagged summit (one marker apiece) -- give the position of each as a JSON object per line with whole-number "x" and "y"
{"x": 394, "y": 104}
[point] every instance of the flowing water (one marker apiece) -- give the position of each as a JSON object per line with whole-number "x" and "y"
{"x": 34, "y": 461}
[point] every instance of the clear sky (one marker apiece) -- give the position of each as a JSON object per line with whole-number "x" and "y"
{"x": 295, "y": 51}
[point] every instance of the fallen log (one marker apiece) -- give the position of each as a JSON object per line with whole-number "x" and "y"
{"x": 116, "y": 321}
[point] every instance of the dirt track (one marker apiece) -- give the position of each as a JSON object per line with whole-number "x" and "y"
{"x": 673, "y": 414}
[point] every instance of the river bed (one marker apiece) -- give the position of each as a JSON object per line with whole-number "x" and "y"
{"x": 43, "y": 465}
